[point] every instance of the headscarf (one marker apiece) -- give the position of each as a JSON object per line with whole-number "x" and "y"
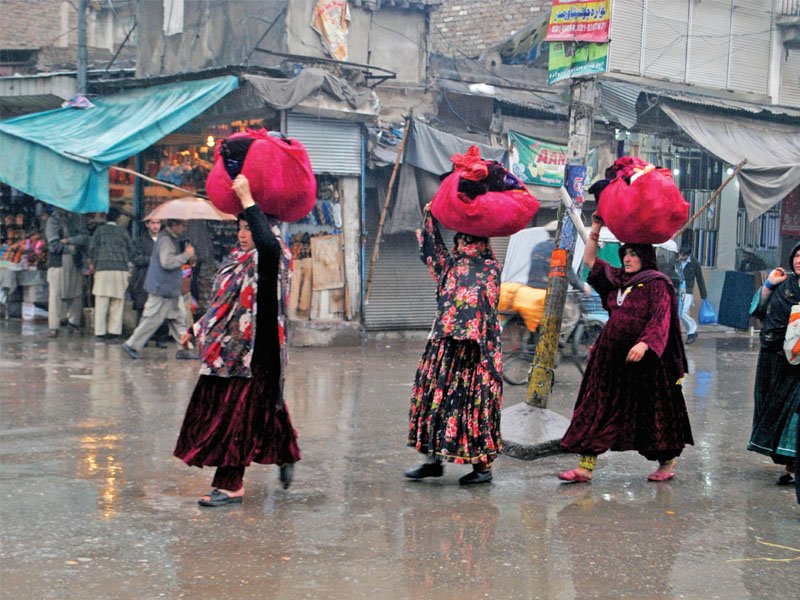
{"x": 674, "y": 356}
{"x": 226, "y": 333}
{"x": 783, "y": 298}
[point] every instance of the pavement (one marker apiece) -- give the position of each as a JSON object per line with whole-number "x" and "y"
{"x": 95, "y": 506}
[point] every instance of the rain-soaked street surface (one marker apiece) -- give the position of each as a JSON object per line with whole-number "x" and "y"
{"x": 94, "y": 506}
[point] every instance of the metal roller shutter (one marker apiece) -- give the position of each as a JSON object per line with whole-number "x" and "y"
{"x": 750, "y": 47}
{"x": 625, "y": 51}
{"x": 333, "y": 146}
{"x": 708, "y": 43}
{"x": 790, "y": 77}
{"x": 403, "y": 294}
{"x": 665, "y": 39}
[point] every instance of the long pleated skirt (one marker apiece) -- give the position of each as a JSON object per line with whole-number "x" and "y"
{"x": 455, "y": 404}
{"x": 233, "y": 421}
{"x": 777, "y": 397}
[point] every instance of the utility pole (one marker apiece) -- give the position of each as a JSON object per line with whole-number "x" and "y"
{"x": 83, "y": 58}
{"x": 581, "y": 117}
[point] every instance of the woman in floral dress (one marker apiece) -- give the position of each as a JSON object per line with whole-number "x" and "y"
{"x": 458, "y": 388}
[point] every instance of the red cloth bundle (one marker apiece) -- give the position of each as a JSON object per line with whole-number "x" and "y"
{"x": 489, "y": 214}
{"x": 279, "y": 172}
{"x": 649, "y": 210}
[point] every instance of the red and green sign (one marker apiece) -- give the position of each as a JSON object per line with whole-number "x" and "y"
{"x": 576, "y": 21}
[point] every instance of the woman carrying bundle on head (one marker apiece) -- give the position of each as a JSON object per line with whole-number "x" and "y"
{"x": 457, "y": 393}
{"x": 631, "y": 396}
{"x": 237, "y": 413}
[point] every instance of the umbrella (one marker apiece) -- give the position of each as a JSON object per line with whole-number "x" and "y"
{"x": 187, "y": 209}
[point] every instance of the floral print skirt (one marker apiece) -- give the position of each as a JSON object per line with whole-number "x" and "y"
{"x": 455, "y": 404}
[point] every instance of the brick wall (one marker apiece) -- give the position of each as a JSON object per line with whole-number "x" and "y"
{"x": 35, "y": 23}
{"x": 461, "y": 27}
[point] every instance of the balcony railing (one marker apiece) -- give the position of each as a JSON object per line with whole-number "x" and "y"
{"x": 789, "y": 8}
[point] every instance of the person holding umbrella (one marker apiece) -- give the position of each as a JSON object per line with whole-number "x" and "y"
{"x": 163, "y": 284}
{"x": 237, "y": 413}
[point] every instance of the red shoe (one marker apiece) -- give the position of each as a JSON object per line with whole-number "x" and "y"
{"x": 659, "y": 476}
{"x": 573, "y": 476}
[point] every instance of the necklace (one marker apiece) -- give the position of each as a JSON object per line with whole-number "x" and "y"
{"x": 621, "y": 295}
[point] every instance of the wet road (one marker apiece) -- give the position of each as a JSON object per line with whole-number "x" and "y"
{"x": 94, "y": 506}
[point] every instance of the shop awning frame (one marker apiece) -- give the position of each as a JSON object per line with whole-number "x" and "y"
{"x": 62, "y": 156}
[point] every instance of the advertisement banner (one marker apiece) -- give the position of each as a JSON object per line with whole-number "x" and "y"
{"x": 575, "y": 21}
{"x": 571, "y": 60}
{"x": 537, "y": 162}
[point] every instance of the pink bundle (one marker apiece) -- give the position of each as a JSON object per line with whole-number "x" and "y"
{"x": 648, "y": 210}
{"x": 278, "y": 170}
{"x": 482, "y": 198}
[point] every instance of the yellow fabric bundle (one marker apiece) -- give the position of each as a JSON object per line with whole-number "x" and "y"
{"x": 527, "y": 301}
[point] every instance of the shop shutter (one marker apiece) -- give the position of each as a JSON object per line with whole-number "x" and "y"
{"x": 665, "y": 39}
{"x": 333, "y": 146}
{"x": 790, "y": 76}
{"x": 625, "y": 51}
{"x": 750, "y": 50}
{"x": 708, "y": 45}
{"x": 403, "y": 294}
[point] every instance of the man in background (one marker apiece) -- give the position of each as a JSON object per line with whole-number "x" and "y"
{"x": 692, "y": 274}
{"x": 164, "y": 283}
{"x": 751, "y": 261}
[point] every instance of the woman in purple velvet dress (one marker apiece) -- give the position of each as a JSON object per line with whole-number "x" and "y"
{"x": 237, "y": 413}
{"x": 631, "y": 396}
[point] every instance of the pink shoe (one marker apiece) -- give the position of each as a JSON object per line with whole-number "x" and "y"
{"x": 573, "y": 476}
{"x": 659, "y": 476}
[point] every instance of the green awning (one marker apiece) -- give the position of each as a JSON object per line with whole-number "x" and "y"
{"x": 62, "y": 156}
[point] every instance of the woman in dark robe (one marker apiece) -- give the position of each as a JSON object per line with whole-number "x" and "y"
{"x": 777, "y": 386}
{"x": 631, "y": 396}
{"x": 458, "y": 388}
{"x": 237, "y": 413}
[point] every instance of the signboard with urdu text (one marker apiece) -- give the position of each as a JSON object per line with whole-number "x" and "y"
{"x": 577, "y": 21}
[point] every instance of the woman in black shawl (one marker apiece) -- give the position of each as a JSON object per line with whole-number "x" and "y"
{"x": 777, "y": 386}
{"x": 631, "y": 396}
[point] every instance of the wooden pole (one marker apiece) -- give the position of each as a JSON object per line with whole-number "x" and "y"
{"x": 710, "y": 201}
{"x": 581, "y": 120}
{"x": 376, "y": 248}
{"x": 156, "y": 181}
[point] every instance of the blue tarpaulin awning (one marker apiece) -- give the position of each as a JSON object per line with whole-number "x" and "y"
{"x": 62, "y": 156}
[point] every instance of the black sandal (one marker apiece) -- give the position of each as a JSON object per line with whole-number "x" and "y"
{"x": 786, "y": 479}
{"x": 217, "y": 498}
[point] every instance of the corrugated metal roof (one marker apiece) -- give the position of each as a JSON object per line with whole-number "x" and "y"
{"x": 618, "y": 101}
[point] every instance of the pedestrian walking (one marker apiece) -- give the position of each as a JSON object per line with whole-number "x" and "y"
{"x": 110, "y": 252}
{"x": 777, "y": 385}
{"x": 141, "y": 263}
{"x": 66, "y": 238}
{"x": 691, "y": 272}
{"x": 237, "y": 414}
{"x": 631, "y": 396}
{"x": 458, "y": 388}
{"x": 164, "y": 288}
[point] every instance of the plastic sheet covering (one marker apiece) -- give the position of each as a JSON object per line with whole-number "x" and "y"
{"x": 62, "y": 156}
{"x": 772, "y": 151}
